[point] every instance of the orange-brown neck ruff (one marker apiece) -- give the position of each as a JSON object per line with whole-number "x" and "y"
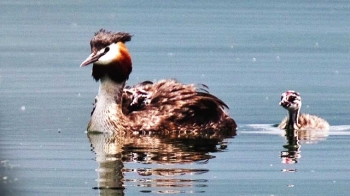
{"x": 118, "y": 70}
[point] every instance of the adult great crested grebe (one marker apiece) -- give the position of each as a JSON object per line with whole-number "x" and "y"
{"x": 291, "y": 101}
{"x": 165, "y": 105}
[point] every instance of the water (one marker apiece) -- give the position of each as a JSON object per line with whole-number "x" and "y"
{"x": 248, "y": 53}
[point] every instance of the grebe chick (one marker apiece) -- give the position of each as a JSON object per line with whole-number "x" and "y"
{"x": 166, "y": 105}
{"x": 291, "y": 101}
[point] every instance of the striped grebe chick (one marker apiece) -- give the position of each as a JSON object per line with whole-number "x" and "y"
{"x": 291, "y": 101}
{"x": 166, "y": 105}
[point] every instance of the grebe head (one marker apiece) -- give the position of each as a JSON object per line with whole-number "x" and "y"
{"x": 109, "y": 56}
{"x": 290, "y": 100}
{"x": 105, "y": 56}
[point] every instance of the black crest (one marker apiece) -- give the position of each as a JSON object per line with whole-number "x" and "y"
{"x": 104, "y": 38}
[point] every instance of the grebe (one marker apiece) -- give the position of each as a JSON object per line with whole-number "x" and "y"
{"x": 166, "y": 105}
{"x": 291, "y": 101}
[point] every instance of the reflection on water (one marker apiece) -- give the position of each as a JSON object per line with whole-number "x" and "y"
{"x": 156, "y": 155}
{"x": 292, "y": 152}
{"x": 294, "y": 140}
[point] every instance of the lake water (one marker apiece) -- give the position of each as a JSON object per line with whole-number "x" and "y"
{"x": 247, "y": 52}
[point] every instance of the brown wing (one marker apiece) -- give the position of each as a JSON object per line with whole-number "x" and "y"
{"x": 171, "y": 105}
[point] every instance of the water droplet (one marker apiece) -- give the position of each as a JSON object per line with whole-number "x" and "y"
{"x": 316, "y": 45}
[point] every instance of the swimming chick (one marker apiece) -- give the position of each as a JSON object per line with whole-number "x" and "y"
{"x": 166, "y": 105}
{"x": 291, "y": 101}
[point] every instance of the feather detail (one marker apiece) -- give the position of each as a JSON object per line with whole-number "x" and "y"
{"x": 307, "y": 122}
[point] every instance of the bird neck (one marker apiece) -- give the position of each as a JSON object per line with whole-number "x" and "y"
{"x": 110, "y": 91}
{"x": 293, "y": 122}
{"x": 108, "y": 106}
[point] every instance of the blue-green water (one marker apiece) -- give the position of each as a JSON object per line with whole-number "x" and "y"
{"x": 247, "y": 52}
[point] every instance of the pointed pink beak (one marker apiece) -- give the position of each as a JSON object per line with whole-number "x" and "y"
{"x": 93, "y": 57}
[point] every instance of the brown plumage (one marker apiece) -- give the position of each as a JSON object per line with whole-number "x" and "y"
{"x": 166, "y": 105}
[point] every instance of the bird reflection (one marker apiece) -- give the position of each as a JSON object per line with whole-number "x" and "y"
{"x": 295, "y": 138}
{"x": 160, "y": 160}
{"x": 292, "y": 152}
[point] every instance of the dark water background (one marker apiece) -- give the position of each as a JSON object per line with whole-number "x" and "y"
{"x": 247, "y": 52}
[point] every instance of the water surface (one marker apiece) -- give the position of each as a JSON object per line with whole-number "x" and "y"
{"x": 248, "y": 53}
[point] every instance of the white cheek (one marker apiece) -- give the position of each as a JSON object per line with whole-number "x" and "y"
{"x": 105, "y": 59}
{"x": 295, "y": 106}
{"x": 109, "y": 56}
